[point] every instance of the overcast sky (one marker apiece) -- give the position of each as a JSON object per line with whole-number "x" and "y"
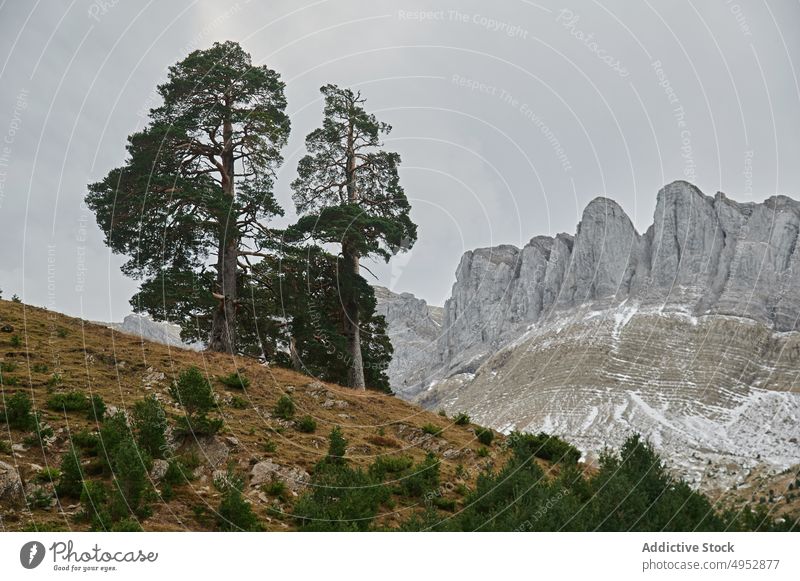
{"x": 509, "y": 116}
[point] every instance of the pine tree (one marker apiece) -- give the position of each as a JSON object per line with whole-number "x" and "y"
{"x": 348, "y": 193}
{"x": 191, "y": 203}
{"x": 298, "y": 288}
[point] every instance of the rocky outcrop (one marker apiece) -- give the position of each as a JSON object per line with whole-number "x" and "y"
{"x": 413, "y": 326}
{"x": 295, "y": 479}
{"x": 157, "y": 331}
{"x": 685, "y": 333}
{"x": 12, "y": 492}
{"x": 701, "y": 255}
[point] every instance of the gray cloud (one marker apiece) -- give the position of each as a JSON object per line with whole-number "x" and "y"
{"x": 510, "y": 117}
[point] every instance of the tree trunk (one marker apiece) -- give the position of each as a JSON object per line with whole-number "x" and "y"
{"x": 355, "y": 375}
{"x": 351, "y": 257}
{"x": 223, "y": 326}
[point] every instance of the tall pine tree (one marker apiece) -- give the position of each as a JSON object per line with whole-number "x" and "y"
{"x": 191, "y": 203}
{"x": 348, "y": 193}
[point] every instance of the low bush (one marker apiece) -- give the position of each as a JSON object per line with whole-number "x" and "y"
{"x": 432, "y": 429}
{"x": 149, "y": 423}
{"x": 235, "y": 513}
{"x": 234, "y": 380}
{"x": 461, "y": 419}
{"x": 97, "y": 409}
{"x": 47, "y": 475}
{"x": 485, "y": 436}
{"x": 18, "y": 412}
{"x": 70, "y": 483}
{"x": 307, "y": 424}
{"x": 239, "y": 403}
{"x": 543, "y": 446}
{"x": 421, "y": 478}
{"x": 73, "y": 401}
{"x": 285, "y": 407}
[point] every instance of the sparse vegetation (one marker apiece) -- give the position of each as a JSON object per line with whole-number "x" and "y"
{"x": 432, "y": 429}
{"x": 15, "y": 340}
{"x": 307, "y": 424}
{"x": 73, "y": 401}
{"x": 235, "y": 380}
{"x": 461, "y": 419}
{"x": 193, "y": 392}
{"x": 235, "y": 513}
{"x": 149, "y": 424}
{"x": 18, "y": 412}
{"x": 485, "y": 436}
{"x": 285, "y": 408}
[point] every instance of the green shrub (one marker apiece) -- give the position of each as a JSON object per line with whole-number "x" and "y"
{"x": 340, "y": 498}
{"x": 40, "y": 498}
{"x": 197, "y": 426}
{"x": 39, "y": 368}
{"x": 7, "y": 367}
{"x": 71, "y": 482}
{"x": 94, "y": 500}
{"x": 485, "y": 436}
{"x": 89, "y": 442}
{"x": 483, "y": 452}
{"x": 55, "y": 379}
{"x": 47, "y": 475}
{"x": 15, "y": 298}
{"x": 18, "y": 413}
{"x": 443, "y": 413}
{"x": 234, "y": 380}
{"x": 131, "y": 467}
{"x": 126, "y": 525}
{"x": 9, "y": 380}
{"x": 149, "y": 423}
{"x": 239, "y": 403}
{"x": 62, "y": 332}
{"x": 543, "y": 446}
{"x": 235, "y": 513}
{"x": 194, "y": 393}
{"x": 5, "y": 447}
{"x": 97, "y": 409}
{"x": 16, "y": 341}
{"x": 285, "y": 407}
{"x": 442, "y": 503}
{"x": 421, "y": 478}
{"x": 384, "y": 465}
{"x": 307, "y": 424}
{"x": 461, "y": 419}
{"x": 270, "y": 447}
{"x": 113, "y": 432}
{"x": 276, "y": 488}
{"x": 73, "y": 401}
{"x": 432, "y": 429}
{"x": 337, "y": 447}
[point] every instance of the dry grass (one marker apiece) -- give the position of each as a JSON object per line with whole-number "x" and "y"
{"x": 59, "y": 353}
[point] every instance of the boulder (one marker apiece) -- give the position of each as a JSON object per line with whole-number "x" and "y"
{"x": 12, "y": 492}
{"x": 295, "y": 479}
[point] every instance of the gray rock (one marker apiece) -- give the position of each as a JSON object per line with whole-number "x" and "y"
{"x": 295, "y": 479}
{"x": 413, "y": 327}
{"x": 159, "y": 470}
{"x": 12, "y": 492}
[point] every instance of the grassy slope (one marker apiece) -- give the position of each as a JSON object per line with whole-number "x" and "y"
{"x": 123, "y": 368}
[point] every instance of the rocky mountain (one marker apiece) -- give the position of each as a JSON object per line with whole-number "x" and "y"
{"x": 414, "y": 327}
{"x": 146, "y": 328}
{"x": 687, "y": 333}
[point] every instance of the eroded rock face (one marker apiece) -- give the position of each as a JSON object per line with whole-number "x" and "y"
{"x": 12, "y": 492}
{"x": 701, "y": 255}
{"x": 687, "y": 333}
{"x": 413, "y": 326}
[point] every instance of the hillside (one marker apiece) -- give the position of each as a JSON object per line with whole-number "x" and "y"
{"x": 45, "y": 353}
